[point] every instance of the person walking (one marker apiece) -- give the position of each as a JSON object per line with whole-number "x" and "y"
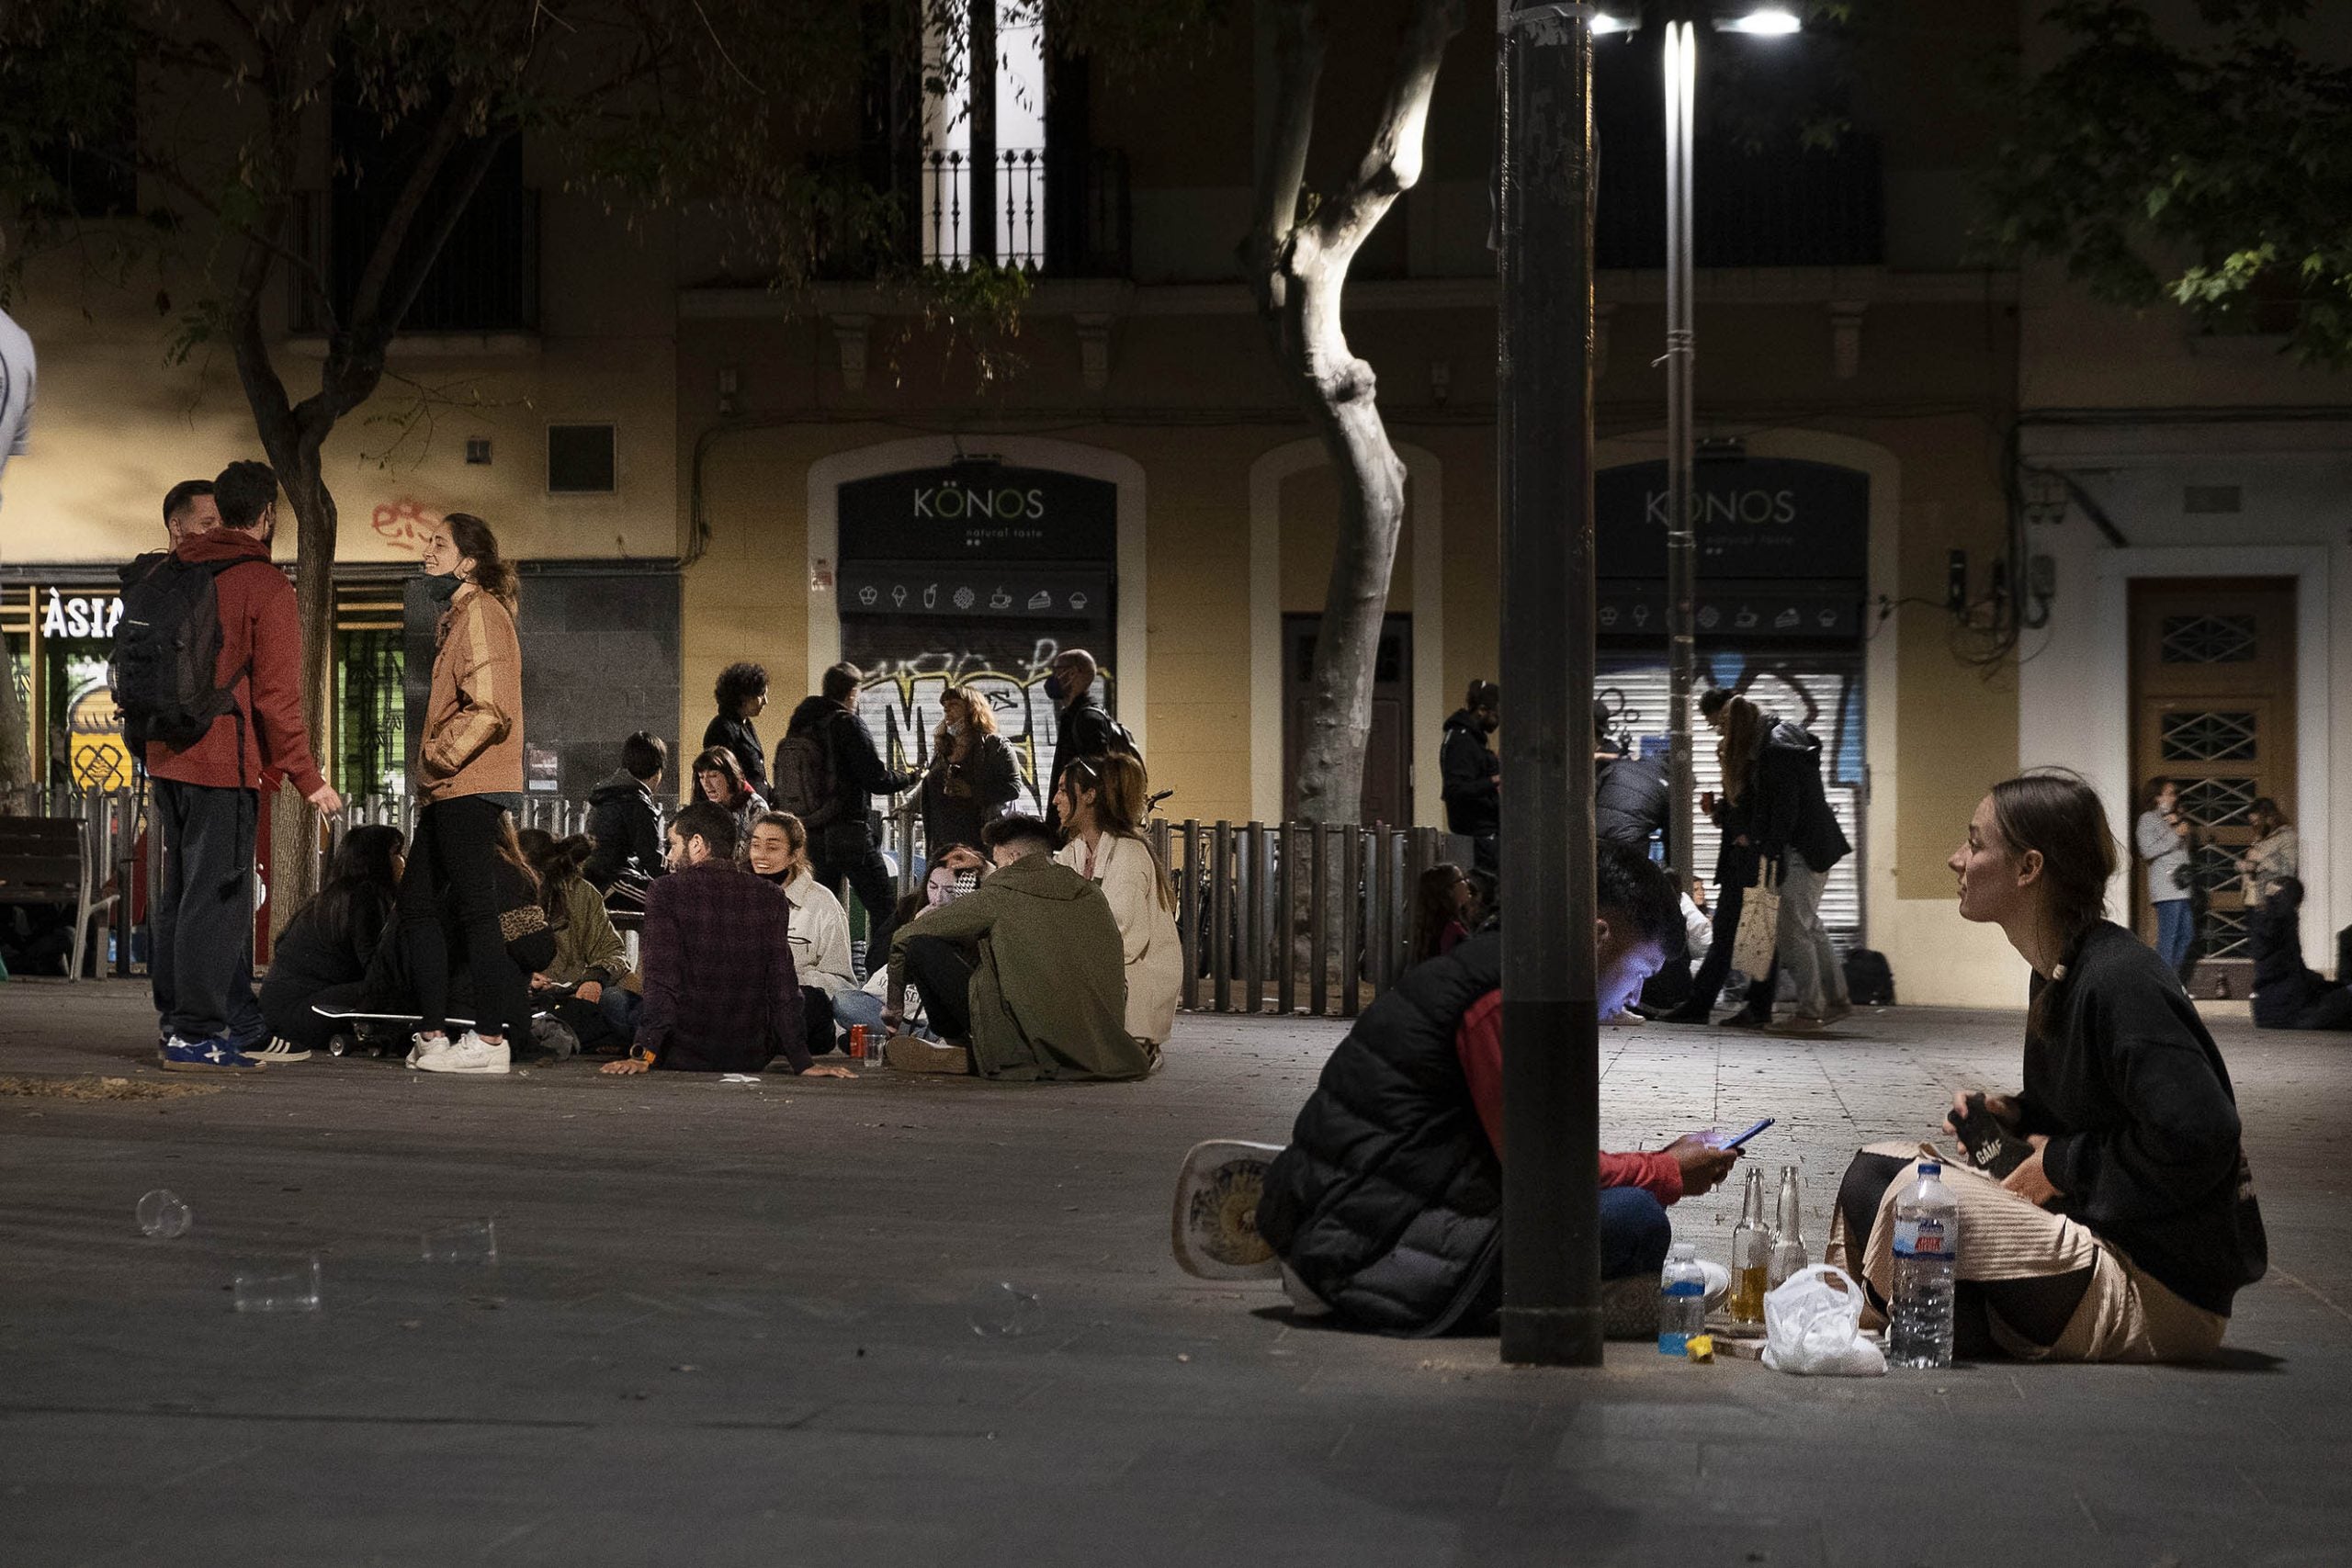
{"x": 1795, "y": 830}
{"x": 206, "y": 736}
{"x": 741, "y": 694}
{"x": 1472, "y": 775}
{"x": 1741, "y": 724}
{"x": 842, "y": 851}
{"x": 2161, "y": 835}
{"x": 1102, "y": 799}
{"x": 1080, "y": 728}
{"x": 469, "y": 767}
{"x": 973, "y": 777}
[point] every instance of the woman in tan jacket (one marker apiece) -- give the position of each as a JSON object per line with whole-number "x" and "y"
{"x": 468, "y": 768}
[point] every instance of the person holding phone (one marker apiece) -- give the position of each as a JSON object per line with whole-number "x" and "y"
{"x": 2127, "y": 1220}
{"x": 1386, "y": 1208}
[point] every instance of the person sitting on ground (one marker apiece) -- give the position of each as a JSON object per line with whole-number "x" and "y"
{"x": 1024, "y": 976}
{"x": 721, "y": 996}
{"x": 1386, "y": 1208}
{"x": 590, "y": 956}
{"x": 623, "y": 819}
{"x": 333, "y": 939}
{"x": 719, "y": 779}
{"x": 1100, "y": 802}
{"x": 2288, "y": 994}
{"x": 1441, "y": 910}
{"x": 2126, "y": 1230}
{"x": 941, "y": 885}
{"x": 779, "y": 854}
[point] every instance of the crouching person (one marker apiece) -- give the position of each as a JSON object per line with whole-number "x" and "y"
{"x": 2126, "y": 1221}
{"x": 1386, "y": 1208}
{"x": 719, "y": 991}
{"x": 1025, "y": 976}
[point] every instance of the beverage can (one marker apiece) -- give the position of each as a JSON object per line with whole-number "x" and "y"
{"x": 857, "y": 1042}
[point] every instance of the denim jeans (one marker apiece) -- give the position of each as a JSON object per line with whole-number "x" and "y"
{"x": 2175, "y": 929}
{"x": 1806, "y": 951}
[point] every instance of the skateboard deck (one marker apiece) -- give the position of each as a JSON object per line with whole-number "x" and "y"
{"x": 1214, "y": 1227}
{"x": 361, "y": 1041}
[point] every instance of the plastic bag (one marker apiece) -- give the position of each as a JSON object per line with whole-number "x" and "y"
{"x": 1814, "y": 1330}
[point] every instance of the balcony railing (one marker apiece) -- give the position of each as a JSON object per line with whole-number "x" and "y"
{"x": 1032, "y": 207}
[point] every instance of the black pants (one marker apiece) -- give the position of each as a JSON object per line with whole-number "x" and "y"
{"x": 942, "y": 971}
{"x": 286, "y": 1006}
{"x": 845, "y": 852}
{"x": 455, "y": 853}
{"x": 200, "y": 906}
{"x": 816, "y": 1019}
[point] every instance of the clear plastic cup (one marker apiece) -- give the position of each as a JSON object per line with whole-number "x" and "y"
{"x": 274, "y": 1288}
{"x": 470, "y": 1241}
{"x": 163, "y": 1216}
{"x": 1005, "y": 1311}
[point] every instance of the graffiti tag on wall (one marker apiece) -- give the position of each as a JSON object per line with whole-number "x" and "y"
{"x": 401, "y": 524}
{"x": 900, "y": 703}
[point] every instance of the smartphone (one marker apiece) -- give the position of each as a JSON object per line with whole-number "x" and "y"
{"x": 1750, "y": 1133}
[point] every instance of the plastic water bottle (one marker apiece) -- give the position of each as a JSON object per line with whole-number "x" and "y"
{"x": 1681, "y": 1299}
{"x": 1926, "y": 1258}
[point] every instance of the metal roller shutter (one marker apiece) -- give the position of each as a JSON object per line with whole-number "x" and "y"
{"x": 1819, "y": 689}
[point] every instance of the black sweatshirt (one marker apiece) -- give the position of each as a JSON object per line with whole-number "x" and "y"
{"x": 2144, "y": 1128}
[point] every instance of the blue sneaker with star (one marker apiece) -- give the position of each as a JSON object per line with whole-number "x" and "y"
{"x": 177, "y": 1056}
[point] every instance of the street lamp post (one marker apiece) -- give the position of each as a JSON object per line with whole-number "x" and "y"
{"x": 1551, "y": 1312}
{"x": 1682, "y": 83}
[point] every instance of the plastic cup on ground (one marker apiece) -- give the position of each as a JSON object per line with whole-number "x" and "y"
{"x": 1005, "y": 1311}
{"x": 471, "y": 1241}
{"x": 163, "y": 1216}
{"x": 276, "y": 1288}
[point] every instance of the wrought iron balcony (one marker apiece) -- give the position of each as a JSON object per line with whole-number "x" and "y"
{"x": 1037, "y": 209}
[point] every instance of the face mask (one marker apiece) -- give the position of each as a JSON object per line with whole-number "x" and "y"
{"x": 1490, "y": 723}
{"x": 435, "y": 592}
{"x": 1053, "y": 688}
{"x": 954, "y": 729}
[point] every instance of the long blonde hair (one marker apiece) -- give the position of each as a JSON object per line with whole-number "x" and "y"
{"x": 982, "y": 723}
{"x": 1121, "y": 789}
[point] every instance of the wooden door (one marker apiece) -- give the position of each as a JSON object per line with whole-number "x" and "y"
{"x": 2213, "y": 708}
{"x": 1388, "y": 759}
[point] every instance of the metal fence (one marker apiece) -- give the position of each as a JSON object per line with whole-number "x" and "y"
{"x": 1273, "y": 917}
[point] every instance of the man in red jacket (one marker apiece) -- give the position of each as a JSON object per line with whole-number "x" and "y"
{"x": 207, "y": 794}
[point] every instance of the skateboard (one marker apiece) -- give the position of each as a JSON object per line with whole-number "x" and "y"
{"x": 1214, "y": 1227}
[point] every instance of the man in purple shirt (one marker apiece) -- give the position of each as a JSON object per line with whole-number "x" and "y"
{"x": 719, "y": 992}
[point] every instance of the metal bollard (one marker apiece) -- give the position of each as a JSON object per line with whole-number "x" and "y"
{"x": 1351, "y": 964}
{"x": 1286, "y": 921}
{"x": 1188, "y": 914}
{"x": 1253, "y": 950}
{"x": 1318, "y": 926}
{"x": 1221, "y": 916}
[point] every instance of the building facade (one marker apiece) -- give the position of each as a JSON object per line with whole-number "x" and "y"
{"x": 698, "y": 468}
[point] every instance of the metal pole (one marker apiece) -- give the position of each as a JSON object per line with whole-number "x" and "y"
{"x": 1681, "y": 345}
{"x": 1550, "y": 1038}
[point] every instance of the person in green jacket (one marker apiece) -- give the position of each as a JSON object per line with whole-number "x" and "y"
{"x": 589, "y": 954}
{"x": 1027, "y": 967}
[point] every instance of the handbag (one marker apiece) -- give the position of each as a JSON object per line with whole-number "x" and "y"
{"x": 1758, "y": 937}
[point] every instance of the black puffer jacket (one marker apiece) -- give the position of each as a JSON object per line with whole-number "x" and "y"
{"x": 1630, "y": 799}
{"x": 1790, "y": 806}
{"x": 1388, "y": 1201}
{"x": 2288, "y": 994}
{"x": 1466, "y": 767}
{"x": 626, "y": 827}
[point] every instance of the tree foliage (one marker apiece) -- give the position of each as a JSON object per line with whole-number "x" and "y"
{"x": 2208, "y": 167}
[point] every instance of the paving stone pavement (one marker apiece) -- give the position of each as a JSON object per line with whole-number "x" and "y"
{"x": 735, "y": 1324}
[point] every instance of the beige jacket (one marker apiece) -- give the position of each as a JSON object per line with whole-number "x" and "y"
{"x": 473, "y": 722}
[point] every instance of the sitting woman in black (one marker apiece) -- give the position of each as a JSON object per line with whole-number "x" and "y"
{"x": 2287, "y": 993}
{"x": 2130, "y": 1221}
{"x": 331, "y": 941}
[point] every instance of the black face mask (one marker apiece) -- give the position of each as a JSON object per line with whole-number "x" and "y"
{"x": 437, "y": 591}
{"x": 1488, "y": 723}
{"x": 1053, "y": 688}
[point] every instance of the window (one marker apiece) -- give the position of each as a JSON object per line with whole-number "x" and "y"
{"x": 580, "y": 459}
{"x": 984, "y": 136}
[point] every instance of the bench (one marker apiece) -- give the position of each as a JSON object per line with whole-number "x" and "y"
{"x": 46, "y": 860}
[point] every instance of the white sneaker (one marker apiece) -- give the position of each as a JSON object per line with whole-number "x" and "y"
{"x": 279, "y": 1051}
{"x": 471, "y": 1054}
{"x": 422, "y": 1046}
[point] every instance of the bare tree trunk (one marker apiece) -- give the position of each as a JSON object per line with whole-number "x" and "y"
{"x": 1298, "y": 266}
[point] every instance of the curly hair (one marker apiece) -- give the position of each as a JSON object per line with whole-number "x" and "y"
{"x": 737, "y": 684}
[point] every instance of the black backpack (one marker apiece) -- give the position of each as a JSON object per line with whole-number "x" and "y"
{"x": 802, "y": 780}
{"x": 167, "y": 650}
{"x": 1869, "y": 980}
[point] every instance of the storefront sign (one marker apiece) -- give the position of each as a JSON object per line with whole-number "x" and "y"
{"x": 1013, "y": 594}
{"x": 1759, "y": 517}
{"x": 1748, "y": 610}
{"x": 978, "y": 512}
{"x": 80, "y": 615}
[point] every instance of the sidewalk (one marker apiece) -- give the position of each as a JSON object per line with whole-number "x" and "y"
{"x": 733, "y": 1323}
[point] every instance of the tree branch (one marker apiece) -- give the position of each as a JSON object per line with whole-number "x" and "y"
{"x": 1299, "y": 70}
{"x": 1392, "y": 164}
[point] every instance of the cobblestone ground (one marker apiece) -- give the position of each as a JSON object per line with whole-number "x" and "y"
{"x": 735, "y": 1324}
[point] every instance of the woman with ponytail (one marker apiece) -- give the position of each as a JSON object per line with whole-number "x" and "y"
{"x": 2117, "y": 1219}
{"x": 468, "y": 765}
